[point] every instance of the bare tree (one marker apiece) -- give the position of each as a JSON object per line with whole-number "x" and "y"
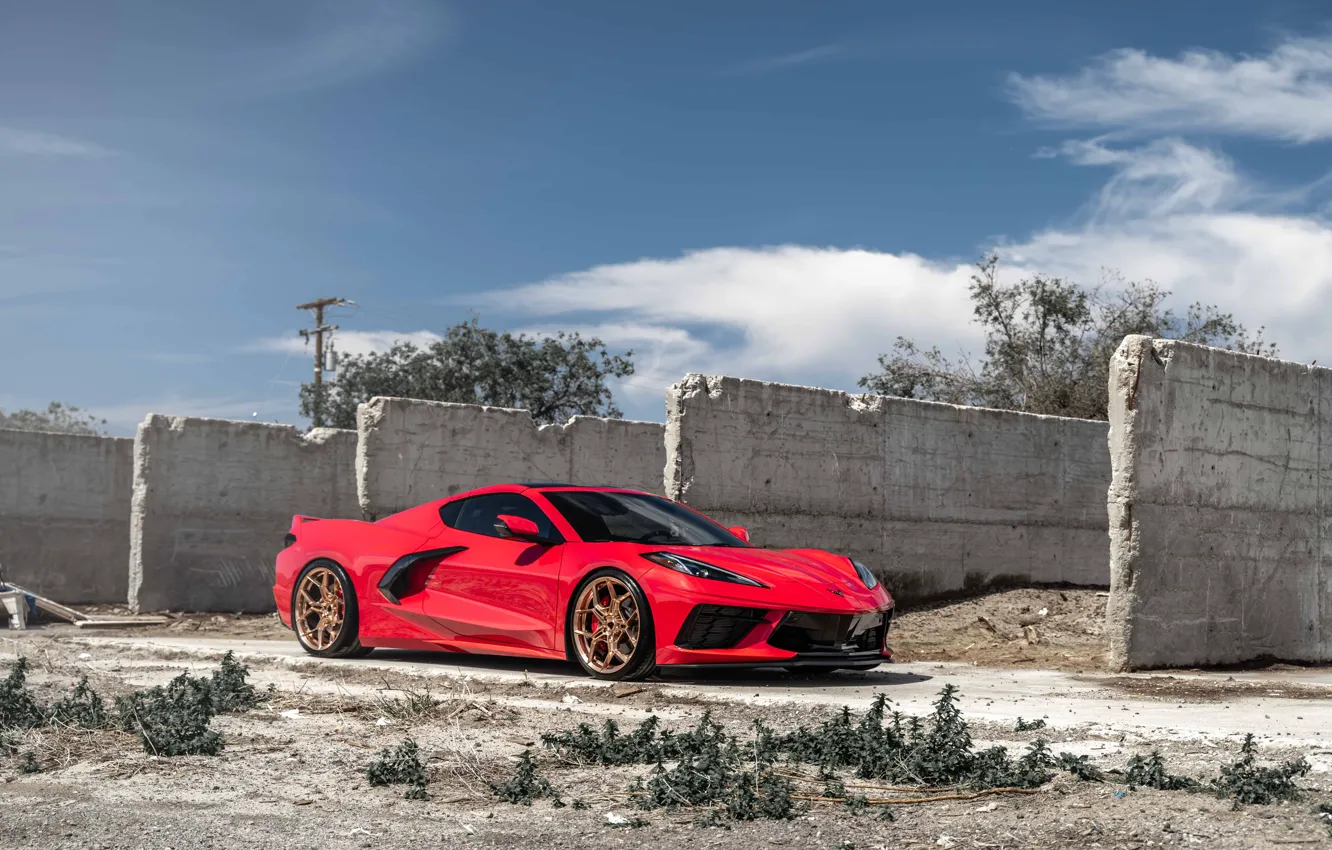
{"x": 57, "y": 418}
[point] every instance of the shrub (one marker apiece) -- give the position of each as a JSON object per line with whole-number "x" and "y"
{"x": 400, "y": 766}
{"x": 18, "y": 709}
{"x": 173, "y": 721}
{"x": 1150, "y": 772}
{"x": 524, "y": 786}
{"x": 1245, "y": 782}
{"x": 230, "y": 690}
{"x": 82, "y": 708}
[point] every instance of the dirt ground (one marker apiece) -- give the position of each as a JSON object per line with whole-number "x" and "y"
{"x": 293, "y": 772}
{"x": 1049, "y": 629}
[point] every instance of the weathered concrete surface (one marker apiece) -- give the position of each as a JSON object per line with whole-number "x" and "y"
{"x": 935, "y": 498}
{"x": 1218, "y": 528}
{"x": 64, "y": 514}
{"x": 212, "y": 500}
{"x": 413, "y": 451}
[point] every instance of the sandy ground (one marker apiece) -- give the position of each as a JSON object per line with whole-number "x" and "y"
{"x": 293, "y": 769}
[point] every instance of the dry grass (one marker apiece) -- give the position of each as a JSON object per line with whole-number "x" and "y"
{"x": 60, "y": 746}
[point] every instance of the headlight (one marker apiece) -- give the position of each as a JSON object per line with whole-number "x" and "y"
{"x": 698, "y": 569}
{"x": 870, "y": 579}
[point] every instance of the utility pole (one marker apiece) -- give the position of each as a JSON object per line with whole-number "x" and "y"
{"x": 318, "y": 332}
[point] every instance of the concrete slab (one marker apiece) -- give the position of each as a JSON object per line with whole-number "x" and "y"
{"x": 936, "y": 498}
{"x": 413, "y": 451}
{"x": 1218, "y": 502}
{"x": 212, "y": 500}
{"x": 65, "y": 514}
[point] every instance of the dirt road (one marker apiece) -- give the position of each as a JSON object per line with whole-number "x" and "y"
{"x": 1180, "y": 705}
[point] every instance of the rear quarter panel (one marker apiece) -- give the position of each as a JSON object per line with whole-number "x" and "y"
{"x": 365, "y": 551}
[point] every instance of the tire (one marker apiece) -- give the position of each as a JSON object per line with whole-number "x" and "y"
{"x": 310, "y": 618}
{"x": 642, "y": 660}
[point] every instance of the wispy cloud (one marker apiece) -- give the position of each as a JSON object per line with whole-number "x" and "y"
{"x": 345, "y": 342}
{"x": 1285, "y": 94}
{"x": 337, "y": 43}
{"x": 787, "y": 60}
{"x": 16, "y": 142}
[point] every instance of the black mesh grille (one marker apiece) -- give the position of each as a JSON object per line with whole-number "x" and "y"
{"x": 717, "y": 626}
{"x": 804, "y": 632}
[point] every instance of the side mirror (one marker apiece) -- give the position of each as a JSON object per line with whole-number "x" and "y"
{"x": 520, "y": 527}
{"x": 740, "y": 531}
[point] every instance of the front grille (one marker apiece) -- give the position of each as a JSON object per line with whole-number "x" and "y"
{"x": 717, "y": 626}
{"x": 800, "y": 631}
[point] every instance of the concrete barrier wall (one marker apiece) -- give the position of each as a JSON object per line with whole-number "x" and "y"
{"x": 412, "y": 451}
{"x": 935, "y": 498}
{"x": 64, "y": 514}
{"x": 212, "y": 500}
{"x": 1221, "y": 550}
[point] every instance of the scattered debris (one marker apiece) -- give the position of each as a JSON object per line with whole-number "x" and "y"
{"x": 82, "y": 620}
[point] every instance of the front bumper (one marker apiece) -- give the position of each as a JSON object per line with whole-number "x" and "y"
{"x": 719, "y": 637}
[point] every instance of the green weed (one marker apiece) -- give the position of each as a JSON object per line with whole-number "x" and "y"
{"x": 1247, "y": 783}
{"x": 400, "y": 765}
{"x": 173, "y": 720}
{"x": 524, "y": 786}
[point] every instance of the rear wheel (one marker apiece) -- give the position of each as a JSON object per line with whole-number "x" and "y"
{"x": 610, "y": 627}
{"x": 323, "y": 612}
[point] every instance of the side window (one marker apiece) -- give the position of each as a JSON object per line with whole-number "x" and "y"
{"x": 480, "y": 513}
{"x": 449, "y": 513}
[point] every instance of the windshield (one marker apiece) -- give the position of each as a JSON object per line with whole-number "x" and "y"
{"x": 601, "y": 517}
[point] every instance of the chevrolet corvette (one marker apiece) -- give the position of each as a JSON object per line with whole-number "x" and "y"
{"x": 621, "y": 582}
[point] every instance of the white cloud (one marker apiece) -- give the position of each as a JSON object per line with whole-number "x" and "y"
{"x": 1285, "y": 94}
{"x": 790, "y": 312}
{"x": 1170, "y": 211}
{"x": 16, "y": 142}
{"x": 344, "y": 341}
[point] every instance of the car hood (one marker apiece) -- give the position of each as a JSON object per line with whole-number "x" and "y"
{"x": 827, "y": 577}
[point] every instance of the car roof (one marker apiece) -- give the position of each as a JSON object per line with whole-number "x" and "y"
{"x": 523, "y": 486}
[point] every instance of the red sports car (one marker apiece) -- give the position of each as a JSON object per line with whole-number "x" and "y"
{"x": 620, "y": 581}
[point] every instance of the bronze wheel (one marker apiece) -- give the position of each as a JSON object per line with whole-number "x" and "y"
{"x": 321, "y": 609}
{"x": 607, "y": 625}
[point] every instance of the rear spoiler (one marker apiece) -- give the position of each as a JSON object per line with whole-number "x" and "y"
{"x": 296, "y": 522}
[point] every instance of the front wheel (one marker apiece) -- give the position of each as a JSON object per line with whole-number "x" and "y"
{"x": 610, "y": 627}
{"x": 323, "y": 612}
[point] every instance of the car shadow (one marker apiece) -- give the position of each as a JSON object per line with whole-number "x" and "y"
{"x": 881, "y": 677}
{"x": 884, "y": 676}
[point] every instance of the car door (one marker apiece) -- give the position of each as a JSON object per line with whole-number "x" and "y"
{"x": 498, "y": 590}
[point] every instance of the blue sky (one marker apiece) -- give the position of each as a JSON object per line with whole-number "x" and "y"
{"x": 767, "y": 189}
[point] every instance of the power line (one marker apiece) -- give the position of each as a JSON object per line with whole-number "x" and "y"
{"x": 318, "y": 332}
